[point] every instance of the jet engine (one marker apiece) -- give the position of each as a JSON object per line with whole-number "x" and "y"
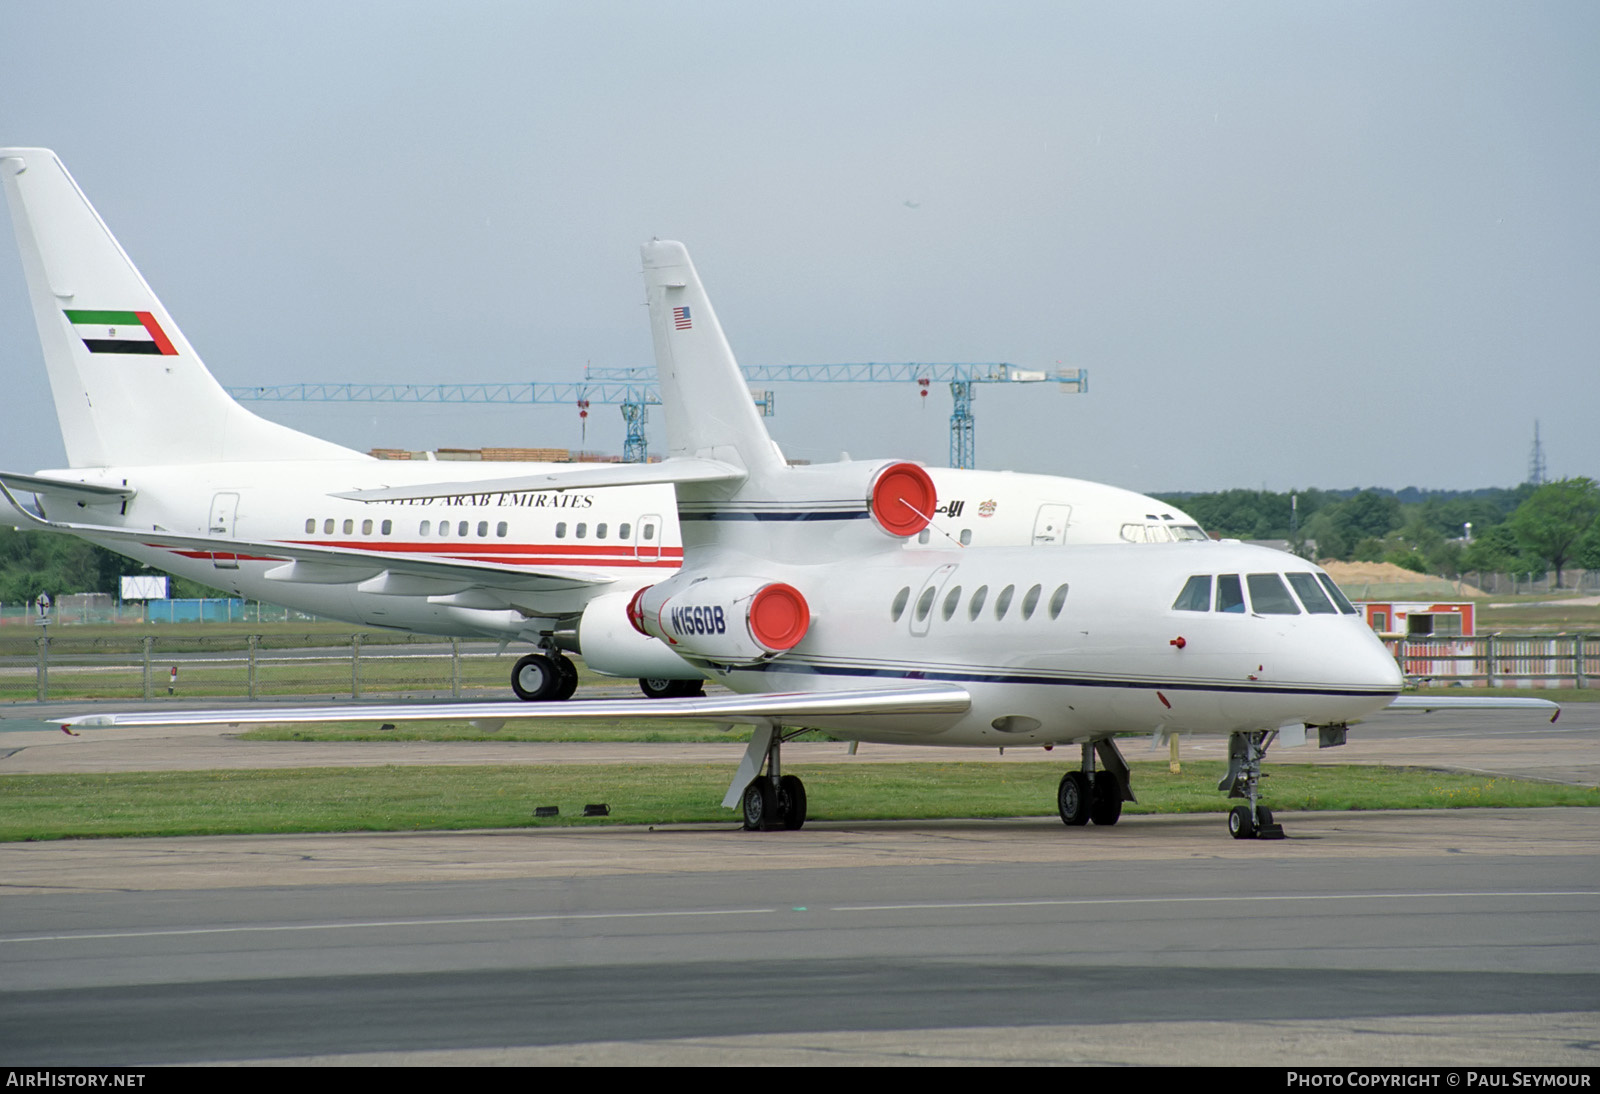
{"x": 735, "y": 620}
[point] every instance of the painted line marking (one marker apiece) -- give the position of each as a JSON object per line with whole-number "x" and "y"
{"x": 1253, "y": 899}
{"x": 455, "y": 921}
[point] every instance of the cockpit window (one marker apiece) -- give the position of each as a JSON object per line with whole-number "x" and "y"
{"x": 1230, "y": 594}
{"x": 1269, "y": 597}
{"x": 1311, "y": 594}
{"x": 1338, "y": 597}
{"x": 1196, "y": 595}
{"x": 1188, "y": 531}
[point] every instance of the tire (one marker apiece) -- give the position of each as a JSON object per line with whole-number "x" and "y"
{"x": 792, "y": 799}
{"x": 568, "y": 682}
{"x": 1240, "y": 824}
{"x": 1072, "y": 799}
{"x": 656, "y": 687}
{"x": 1105, "y": 805}
{"x": 760, "y": 805}
{"x": 535, "y": 678}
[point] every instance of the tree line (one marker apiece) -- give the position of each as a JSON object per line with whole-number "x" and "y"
{"x": 1523, "y": 529}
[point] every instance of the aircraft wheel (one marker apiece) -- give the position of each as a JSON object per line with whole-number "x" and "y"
{"x": 1240, "y": 824}
{"x": 1072, "y": 799}
{"x": 661, "y": 688}
{"x": 1105, "y": 805}
{"x": 792, "y": 797}
{"x": 1263, "y": 816}
{"x": 568, "y": 682}
{"x": 536, "y": 678}
{"x": 760, "y": 805}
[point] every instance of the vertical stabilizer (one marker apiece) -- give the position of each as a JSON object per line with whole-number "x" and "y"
{"x": 704, "y": 397}
{"x": 129, "y": 389}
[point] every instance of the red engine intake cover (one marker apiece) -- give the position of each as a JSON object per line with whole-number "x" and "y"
{"x": 779, "y": 616}
{"x": 903, "y": 499}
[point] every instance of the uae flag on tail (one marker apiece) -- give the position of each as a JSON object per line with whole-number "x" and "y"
{"x": 121, "y": 332}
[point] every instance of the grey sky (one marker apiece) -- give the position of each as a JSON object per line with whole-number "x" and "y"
{"x": 1296, "y": 244}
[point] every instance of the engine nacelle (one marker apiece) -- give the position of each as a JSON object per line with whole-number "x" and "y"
{"x": 610, "y": 644}
{"x": 902, "y": 499}
{"x": 737, "y": 620}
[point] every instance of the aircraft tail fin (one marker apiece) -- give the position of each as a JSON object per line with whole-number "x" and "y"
{"x": 704, "y": 398}
{"x": 129, "y": 389}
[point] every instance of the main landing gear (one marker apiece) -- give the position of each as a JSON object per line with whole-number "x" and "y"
{"x": 662, "y": 688}
{"x": 1087, "y": 795}
{"x": 544, "y": 677}
{"x": 770, "y": 801}
{"x": 1245, "y": 752}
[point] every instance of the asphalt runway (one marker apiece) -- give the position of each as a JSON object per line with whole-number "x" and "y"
{"x": 1443, "y": 938}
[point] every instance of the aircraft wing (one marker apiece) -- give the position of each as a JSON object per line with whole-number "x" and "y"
{"x": 677, "y": 469}
{"x": 777, "y": 708}
{"x": 329, "y": 565}
{"x": 1422, "y": 704}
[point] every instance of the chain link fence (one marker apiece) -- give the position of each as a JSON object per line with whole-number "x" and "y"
{"x": 45, "y": 666}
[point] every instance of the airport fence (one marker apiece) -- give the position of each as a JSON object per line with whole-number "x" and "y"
{"x": 82, "y": 610}
{"x": 1500, "y": 661}
{"x": 248, "y": 666}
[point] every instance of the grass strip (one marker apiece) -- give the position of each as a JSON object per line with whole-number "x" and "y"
{"x": 395, "y": 798}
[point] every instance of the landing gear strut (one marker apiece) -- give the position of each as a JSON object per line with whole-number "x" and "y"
{"x": 1245, "y": 752}
{"x": 773, "y": 800}
{"x": 1087, "y": 795}
{"x": 544, "y": 677}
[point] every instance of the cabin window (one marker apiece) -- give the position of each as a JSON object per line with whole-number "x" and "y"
{"x": 327, "y": 527}
{"x": 366, "y": 527}
{"x": 951, "y": 600}
{"x": 624, "y": 531}
{"x": 925, "y": 603}
{"x": 1337, "y": 594}
{"x": 599, "y": 531}
{"x": 1311, "y": 594}
{"x": 500, "y": 529}
{"x": 426, "y": 527}
{"x": 1058, "y": 600}
{"x": 1002, "y": 603}
{"x": 923, "y": 536}
{"x": 483, "y": 528}
{"x": 1268, "y": 596}
{"x": 978, "y": 597}
{"x": 1196, "y": 595}
{"x": 461, "y": 529}
{"x": 311, "y": 525}
{"x": 1230, "y": 594}
{"x": 966, "y": 537}
{"x": 387, "y": 527}
{"x": 561, "y": 529}
{"x": 1030, "y": 601}
{"x": 444, "y": 528}
{"x": 898, "y": 608}
{"x": 581, "y": 531}
{"x": 649, "y": 532}
{"x": 349, "y": 527}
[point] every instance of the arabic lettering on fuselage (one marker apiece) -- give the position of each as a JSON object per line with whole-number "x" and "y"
{"x": 503, "y": 500}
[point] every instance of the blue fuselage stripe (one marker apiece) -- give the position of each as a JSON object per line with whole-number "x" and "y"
{"x": 954, "y": 676}
{"x": 785, "y": 516}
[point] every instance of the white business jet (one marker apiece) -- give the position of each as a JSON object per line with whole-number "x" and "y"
{"x": 796, "y": 592}
{"x": 168, "y": 469}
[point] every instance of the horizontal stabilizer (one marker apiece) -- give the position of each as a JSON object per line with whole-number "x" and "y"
{"x": 84, "y": 493}
{"x": 787, "y": 708}
{"x": 597, "y": 475}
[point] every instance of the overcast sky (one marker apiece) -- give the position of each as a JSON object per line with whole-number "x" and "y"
{"x": 1295, "y": 244}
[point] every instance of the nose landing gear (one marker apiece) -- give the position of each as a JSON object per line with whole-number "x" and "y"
{"x": 1245, "y": 752}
